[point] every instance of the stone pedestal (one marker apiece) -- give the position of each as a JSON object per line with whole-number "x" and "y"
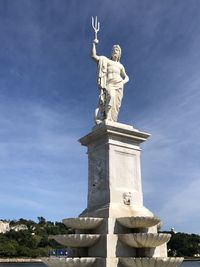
{"x": 114, "y": 173}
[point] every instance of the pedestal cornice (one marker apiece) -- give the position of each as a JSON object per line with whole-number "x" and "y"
{"x": 116, "y": 131}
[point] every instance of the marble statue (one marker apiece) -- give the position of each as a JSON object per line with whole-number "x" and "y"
{"x": 111, "y": 77}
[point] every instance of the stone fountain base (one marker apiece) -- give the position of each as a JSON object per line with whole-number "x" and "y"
{"x": 115, "y": 229}
{"x": 111, "y": 242}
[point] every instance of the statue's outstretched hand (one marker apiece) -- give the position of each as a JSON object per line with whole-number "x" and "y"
{"x": 95, "y": 41}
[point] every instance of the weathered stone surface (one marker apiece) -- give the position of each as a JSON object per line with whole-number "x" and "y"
{"x": 114, "y": 186}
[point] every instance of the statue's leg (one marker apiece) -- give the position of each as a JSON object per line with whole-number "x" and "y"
{"x": 100, "y": 110}
{"x": 109, "y": 104}
{"x": 117, "y": 103}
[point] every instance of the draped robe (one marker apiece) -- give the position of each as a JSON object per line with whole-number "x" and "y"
{"x": 111, "y": 90}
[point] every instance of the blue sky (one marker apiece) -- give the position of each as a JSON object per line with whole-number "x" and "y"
{"x": 48, "y": 94}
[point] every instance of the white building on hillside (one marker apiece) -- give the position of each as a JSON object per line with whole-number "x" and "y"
{"x": 4, "y": 227}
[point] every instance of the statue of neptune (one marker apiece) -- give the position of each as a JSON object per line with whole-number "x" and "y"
{"x": 111, "y": 77}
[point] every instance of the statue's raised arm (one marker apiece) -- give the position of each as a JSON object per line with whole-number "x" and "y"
{"x": 94, "y": 52}
{"x": 111, "y": 77}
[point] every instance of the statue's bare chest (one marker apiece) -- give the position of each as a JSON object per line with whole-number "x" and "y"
{"x": 113, "y": 67}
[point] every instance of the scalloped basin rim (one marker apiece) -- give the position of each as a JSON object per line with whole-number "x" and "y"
{"x": 153, "y": 262}
{"x": 146, "y": 240}
{"x": 67, "y": 259}
{"x": 77, "y": 240}
{"x": 138, "y": 221}
{"x": 85, "y": 217}
{"x": 83, "y": 222}
{"x": 69, "y": 262}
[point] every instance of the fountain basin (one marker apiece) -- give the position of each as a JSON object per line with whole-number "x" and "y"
{"x": 138, "y": 222}
{"x": 76, "y": 240}
{"x": 83, "y": 223}
{"x": 153, "y": 262}
{"x": 145, "y": 240}
{"x": 69, "y": 262}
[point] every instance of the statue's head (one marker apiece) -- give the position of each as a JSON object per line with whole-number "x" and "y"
{"x": 116, "y": 53}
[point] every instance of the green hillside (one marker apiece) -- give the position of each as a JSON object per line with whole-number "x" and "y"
{"x": 32, "y": 242}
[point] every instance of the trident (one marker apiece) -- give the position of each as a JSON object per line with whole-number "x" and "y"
{"x": 96, "y": 27}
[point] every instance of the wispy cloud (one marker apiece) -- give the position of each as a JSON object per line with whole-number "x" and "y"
{"x": 171, "y": 159}
{"x": 40, "y": 160}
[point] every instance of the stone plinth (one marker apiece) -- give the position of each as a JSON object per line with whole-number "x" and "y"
{"x": 114, "y": 175}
